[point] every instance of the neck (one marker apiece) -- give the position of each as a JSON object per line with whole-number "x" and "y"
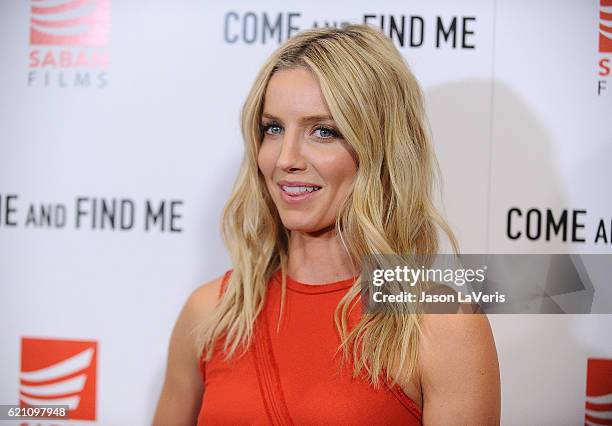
{"x": 318, "y": 257}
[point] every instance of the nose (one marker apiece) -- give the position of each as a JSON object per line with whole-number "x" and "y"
{"x": 290, "y": 156}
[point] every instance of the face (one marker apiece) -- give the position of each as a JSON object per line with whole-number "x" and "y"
{"x": 307, "y": 166}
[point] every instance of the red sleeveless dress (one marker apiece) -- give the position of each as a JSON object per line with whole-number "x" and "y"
{"x": 292, "y": 377}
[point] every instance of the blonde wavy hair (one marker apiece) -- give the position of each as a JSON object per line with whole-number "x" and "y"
{"x": 377, "y": 105}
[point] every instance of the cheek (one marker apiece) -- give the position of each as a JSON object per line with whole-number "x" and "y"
{"x": 265, "y": 160}
{"x": 340, "y": 169}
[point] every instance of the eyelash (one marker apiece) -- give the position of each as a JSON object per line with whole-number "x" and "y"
{"x": 333, "y": 133}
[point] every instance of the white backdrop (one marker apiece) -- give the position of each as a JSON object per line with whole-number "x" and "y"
{"x": 137, "y": 103}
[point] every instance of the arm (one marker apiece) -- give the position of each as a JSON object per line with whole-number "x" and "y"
{"x": 459, "y": 371}
{"x": 179, "y": 402}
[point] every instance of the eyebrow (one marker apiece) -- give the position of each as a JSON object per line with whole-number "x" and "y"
{"x": 309, "y": 119}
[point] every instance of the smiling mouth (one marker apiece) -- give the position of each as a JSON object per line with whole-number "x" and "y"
{"x": 299, "y": 190}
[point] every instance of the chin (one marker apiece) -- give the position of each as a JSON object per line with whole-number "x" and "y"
{"x": 305, "y": 227}
{"x": 299, "y": 226}
{"x": 297, "y": 222}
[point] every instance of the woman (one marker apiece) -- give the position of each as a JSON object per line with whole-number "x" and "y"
{"x": 337, "y": 165}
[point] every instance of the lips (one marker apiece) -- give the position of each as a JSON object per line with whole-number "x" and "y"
{"x": 297, "y": 183}
{"x": 296, "y": 191}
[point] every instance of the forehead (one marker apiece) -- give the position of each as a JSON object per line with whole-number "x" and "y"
{"x": 294, "y": 92}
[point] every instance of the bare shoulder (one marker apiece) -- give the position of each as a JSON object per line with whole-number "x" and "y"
{"x": 440, "y": 330}
{"x": 459, "y": 369}
{"x": 198, "y": 306}
{"x": 203, "y": 299}
{"x": 181, "y": 394}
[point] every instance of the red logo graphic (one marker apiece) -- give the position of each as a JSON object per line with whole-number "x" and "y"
{"x": 605, "y": 26}
{"x": 70, "y": 22}
{"x": 599, "y": 392}
{"x": 59, "y": 372}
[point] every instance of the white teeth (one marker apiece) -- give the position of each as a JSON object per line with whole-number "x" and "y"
{"x": 299, "y": 189}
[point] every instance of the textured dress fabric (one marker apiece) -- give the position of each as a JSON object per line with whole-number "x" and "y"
{"x": 293, "y": 375}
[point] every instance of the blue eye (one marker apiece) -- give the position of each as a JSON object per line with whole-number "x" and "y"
{"x": 266, "y": 127}
{"x": 326, "y": 131}
{"x": 323, "y": 132}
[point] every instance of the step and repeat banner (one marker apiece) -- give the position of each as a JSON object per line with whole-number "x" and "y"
{"x": 120, "y": 141}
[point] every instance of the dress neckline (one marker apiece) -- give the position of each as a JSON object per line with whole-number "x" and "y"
{"x": 318, "y": 288}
